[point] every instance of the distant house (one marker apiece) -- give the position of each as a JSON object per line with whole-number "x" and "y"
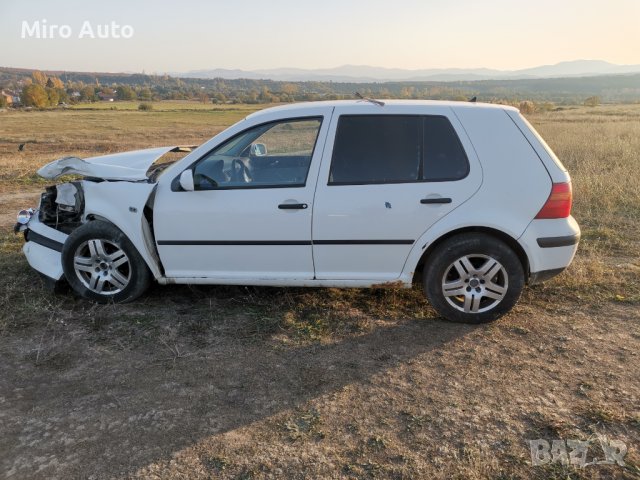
{"x": 107, "y": 97}
{"x": 11, "y": 97}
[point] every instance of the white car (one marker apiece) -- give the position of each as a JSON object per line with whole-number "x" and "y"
{"x": 466, "y": 197}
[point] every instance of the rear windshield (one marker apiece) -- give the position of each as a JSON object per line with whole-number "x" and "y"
{"x": 544, "y": 144}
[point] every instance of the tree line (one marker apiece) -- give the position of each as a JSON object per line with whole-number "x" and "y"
{"x": 41, "y": 89}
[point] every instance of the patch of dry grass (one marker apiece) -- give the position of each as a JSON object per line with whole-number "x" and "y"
{"x": 51, "y": 134}
{"x": 243, "y": 382}
{"x": 601, "y": 149}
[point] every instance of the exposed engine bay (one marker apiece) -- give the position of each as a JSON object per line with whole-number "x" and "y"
{"x": 61, "y": 206}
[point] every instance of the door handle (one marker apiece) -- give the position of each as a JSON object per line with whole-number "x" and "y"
{"x": 292, "y": 206}
{"x": 431, "y": 201}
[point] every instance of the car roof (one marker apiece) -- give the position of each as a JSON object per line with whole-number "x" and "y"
{"x": 293, "y": 107}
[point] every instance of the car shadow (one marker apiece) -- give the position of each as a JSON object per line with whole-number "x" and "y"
{"x": 109, "y": 413}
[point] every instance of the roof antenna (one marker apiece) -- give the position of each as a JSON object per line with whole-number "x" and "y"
{"x": 473, "y": 99}
{"x": 367, "y": 99}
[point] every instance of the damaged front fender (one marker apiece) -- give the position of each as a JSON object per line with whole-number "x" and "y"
{"x": 123, "y": 204}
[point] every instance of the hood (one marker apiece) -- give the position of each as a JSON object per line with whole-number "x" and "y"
{"x": 131, "y": 166}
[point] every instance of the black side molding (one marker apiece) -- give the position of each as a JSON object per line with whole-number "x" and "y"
{"x": 234, "y": 242}
{"x": 285, "y": 242}
{"x": 552, "y": 242}
{"x": 31, "y": 236}
{"x": 363, "y": 242}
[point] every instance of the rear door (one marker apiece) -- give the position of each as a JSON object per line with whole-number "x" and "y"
{"x": 387, "y": 175}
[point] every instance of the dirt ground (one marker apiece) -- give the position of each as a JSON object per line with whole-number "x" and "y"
{"x": 98, "y": 396}
{"x": 239, "y": 382}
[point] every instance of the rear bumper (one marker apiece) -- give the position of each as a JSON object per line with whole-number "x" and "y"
{"x": 550, "y": 246}
{"x": 43, "y": 247}
{"x": 544, "y": 275}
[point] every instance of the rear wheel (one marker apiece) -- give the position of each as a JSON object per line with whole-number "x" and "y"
{"x": 473, "y": 278}
{"x": 101, "y": 264}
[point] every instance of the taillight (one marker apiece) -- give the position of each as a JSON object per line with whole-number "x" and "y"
{"x": 558, "y": 205}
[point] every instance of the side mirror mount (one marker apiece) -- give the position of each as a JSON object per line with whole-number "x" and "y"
{"x": 186, "y": 180}
{"x": 258, "y": 150}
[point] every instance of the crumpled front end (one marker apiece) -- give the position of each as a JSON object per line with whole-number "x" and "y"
{"x": 43, "y": 249}
{"x": 59, "y": 213}
{"x": 115, "y": 188}
{"x": 61, "y": 207}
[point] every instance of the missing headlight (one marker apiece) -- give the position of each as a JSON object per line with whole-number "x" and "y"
{"x": 61, "y": 206}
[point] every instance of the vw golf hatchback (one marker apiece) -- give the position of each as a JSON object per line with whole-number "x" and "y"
{"x": 466, "y": 198}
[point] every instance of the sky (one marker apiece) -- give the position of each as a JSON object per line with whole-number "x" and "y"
{"x": 178, "y": 36}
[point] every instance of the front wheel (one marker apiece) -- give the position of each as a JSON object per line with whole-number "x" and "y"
{"x": 101, "y": 264}
{"x": 473, "y": 278}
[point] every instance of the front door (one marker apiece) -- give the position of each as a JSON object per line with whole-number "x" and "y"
{"x": 250, "y": 214}
{"x": 387, "y": 176}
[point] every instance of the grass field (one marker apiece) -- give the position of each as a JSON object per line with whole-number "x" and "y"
{"x": 234, "y": 382}
{"x": 161, "y": 106}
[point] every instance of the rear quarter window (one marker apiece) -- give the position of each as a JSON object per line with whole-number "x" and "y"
{"x": 373, "y": 149}
{"x": 444, "y": 155}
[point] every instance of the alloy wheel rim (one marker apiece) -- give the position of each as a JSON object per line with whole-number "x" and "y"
{"x": 102, "y": 266}
{"x": 475, "y": 283}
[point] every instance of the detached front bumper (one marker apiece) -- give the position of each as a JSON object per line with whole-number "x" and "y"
{"x": 43, "y": 247}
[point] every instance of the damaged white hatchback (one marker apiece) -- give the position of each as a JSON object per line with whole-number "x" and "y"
{"x": 465, "y": 197}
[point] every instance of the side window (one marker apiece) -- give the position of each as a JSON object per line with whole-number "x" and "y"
{"x": 276, "y": 154}
{"x": 372, "y": 149}
{"x": 376, "y": 149}
{"x": 444, "y": 156}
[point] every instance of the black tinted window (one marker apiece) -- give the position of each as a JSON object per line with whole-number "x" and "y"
{"x": 376, "y": 149}
{"x": 444, "y": 157}
{"x": 396, "y": 149}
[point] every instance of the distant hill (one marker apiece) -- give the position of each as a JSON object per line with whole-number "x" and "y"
{"x": 617, "y": 88}
{"x": 365, "y": 73}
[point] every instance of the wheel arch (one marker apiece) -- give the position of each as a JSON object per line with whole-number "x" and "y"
{"x": 142, "y": 242}
{"x": 124, "y": 205}
{"x": 505, "y": 237}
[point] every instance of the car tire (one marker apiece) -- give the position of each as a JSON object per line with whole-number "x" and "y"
{"x": 473, "y": 278}
{"x": 101, "y": 264}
